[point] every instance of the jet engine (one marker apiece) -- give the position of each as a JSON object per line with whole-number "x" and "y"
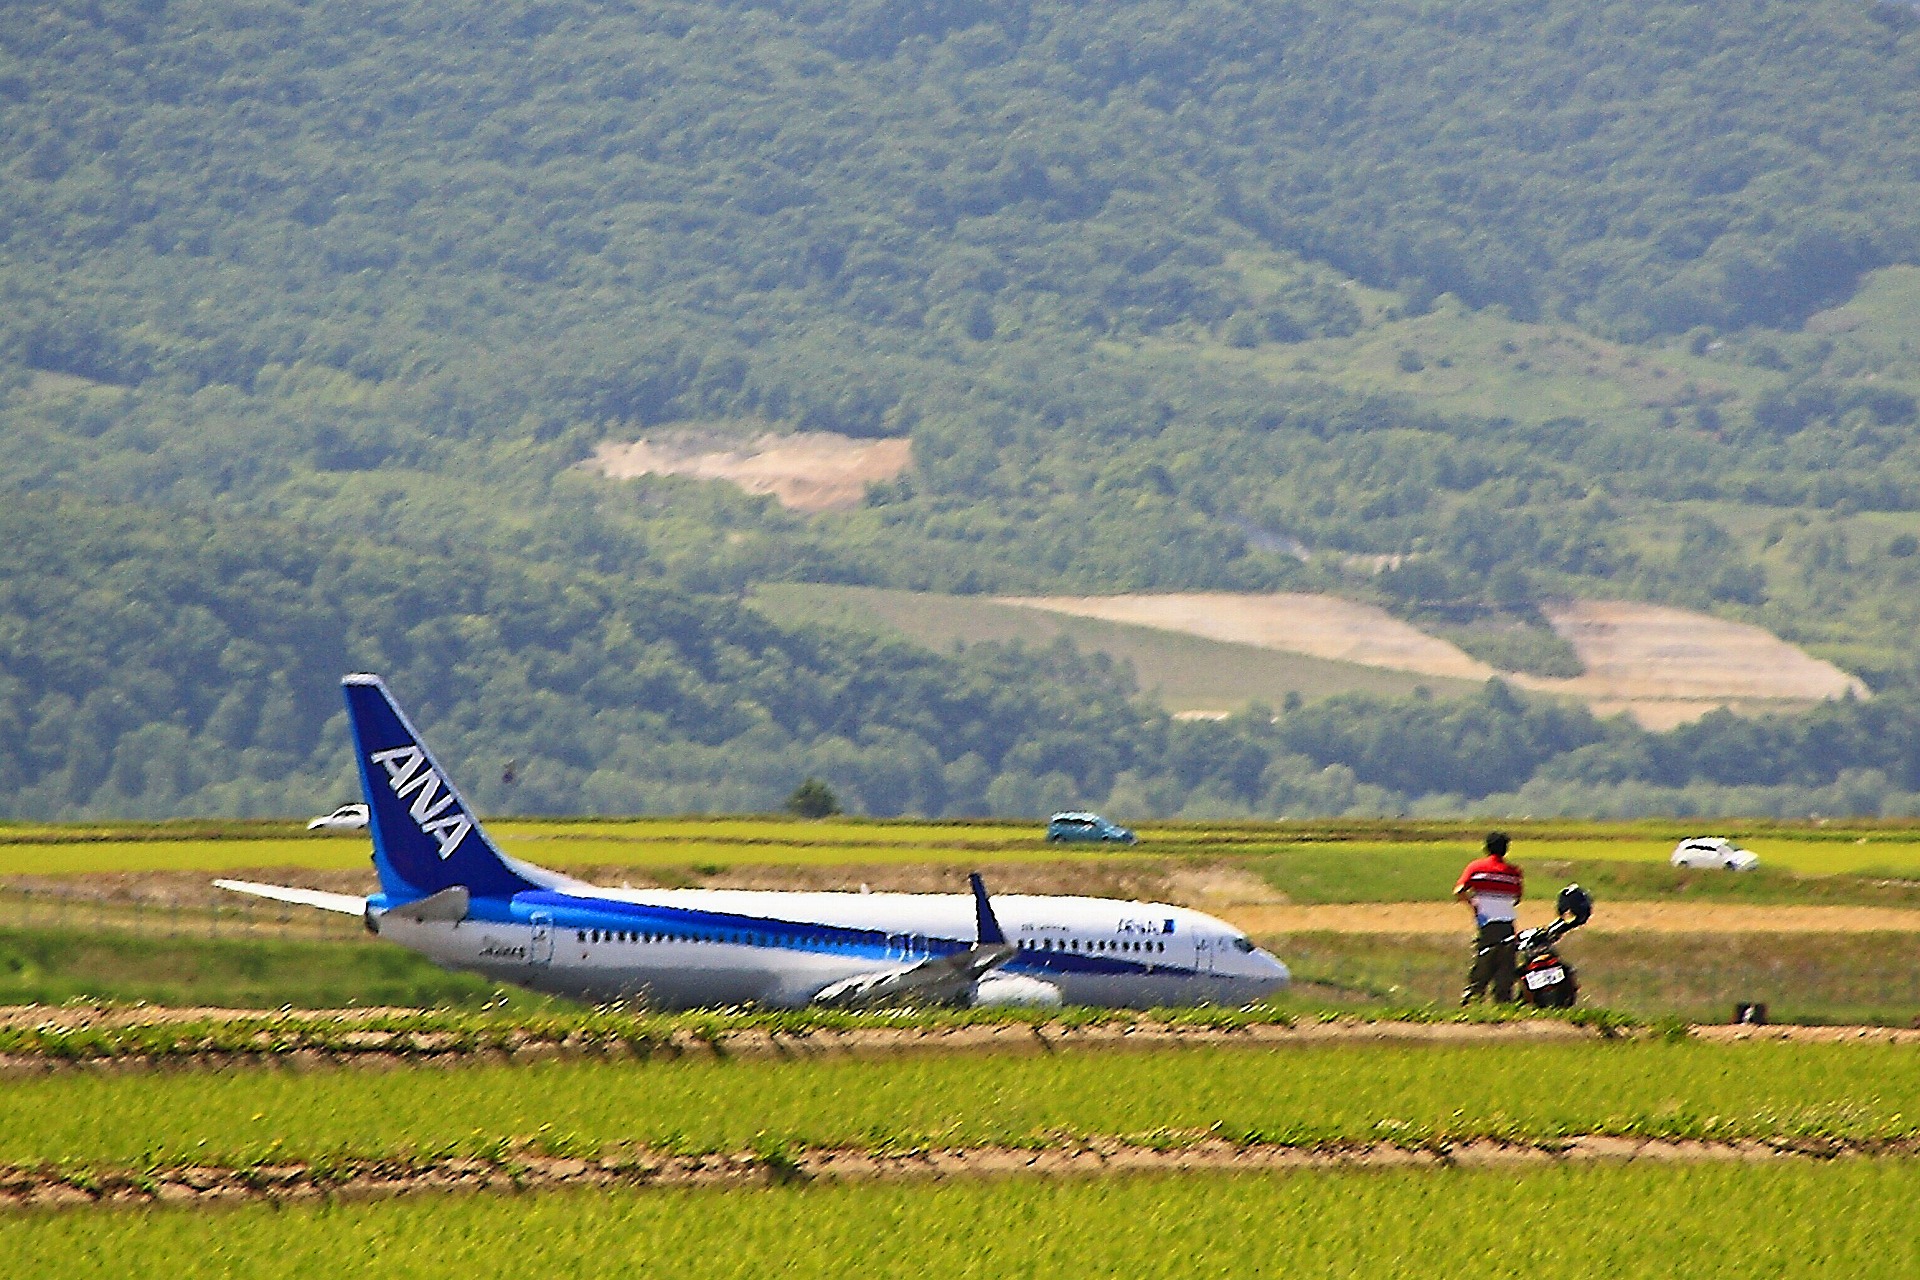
{"x": 1004, "y": 990}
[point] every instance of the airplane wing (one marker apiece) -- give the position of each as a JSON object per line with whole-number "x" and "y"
{"x": 940, "y": 980}
{"x": 937, "y": 980}
{"x": 345, "y": 903}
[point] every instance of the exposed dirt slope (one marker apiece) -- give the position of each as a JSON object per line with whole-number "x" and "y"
{"x": 1664, "y": 666}
{"x": 1321, "y": 626}
{"x": 807, "y": 471}
{"x": 1668, "y": 666}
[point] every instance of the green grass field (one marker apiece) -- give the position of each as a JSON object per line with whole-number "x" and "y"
{"x": 1427, "y": 873}
{"x": 1362, "y": 853}
{"x": 52, "y": 965}
{"x": 1821, "y": 978}
{"x": 1481, "y": 363}
{"x": 1363, "y": 1093}
{"x": 55, "y": 947}
{"x": 1861, "y": 978}
{"x": 1612, "y": 1221}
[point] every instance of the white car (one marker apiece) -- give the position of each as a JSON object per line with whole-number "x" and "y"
{"x": 348, "y": 817}
{"x": 1713, "y": 851}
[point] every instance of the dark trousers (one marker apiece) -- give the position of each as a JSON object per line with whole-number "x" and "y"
{"x": 1494, "y": 963}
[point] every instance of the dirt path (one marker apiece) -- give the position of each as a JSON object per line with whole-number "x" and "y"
{"x": 363, "y": 1180}
{"x": 321, "y": 1038}
{"x": 1266, "y": 919}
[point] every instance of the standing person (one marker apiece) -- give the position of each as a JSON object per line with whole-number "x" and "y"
{"x": 1491, "y": 886}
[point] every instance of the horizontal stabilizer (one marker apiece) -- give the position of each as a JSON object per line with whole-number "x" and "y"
{"x": 448, "y": 906}
{"x": 345, "y": 903}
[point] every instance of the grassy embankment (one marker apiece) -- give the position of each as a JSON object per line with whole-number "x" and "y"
{"x": 1169, "y": 1098}
{"x": 1682, "y": 1221}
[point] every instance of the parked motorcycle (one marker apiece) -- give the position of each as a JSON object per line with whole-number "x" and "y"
{"x": 1547, "y": 981}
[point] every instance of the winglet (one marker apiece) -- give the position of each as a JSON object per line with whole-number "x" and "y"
{"x": 986, "y": 927}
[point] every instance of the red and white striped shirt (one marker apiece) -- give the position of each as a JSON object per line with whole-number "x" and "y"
{"x": 1495, "y": 885}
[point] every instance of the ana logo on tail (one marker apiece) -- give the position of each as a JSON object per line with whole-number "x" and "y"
{"x": 408, "y": 773}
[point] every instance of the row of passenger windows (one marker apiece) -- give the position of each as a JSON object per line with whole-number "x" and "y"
{"x": 631, "y": 935}
{"x": 617, "y": 935}
{"x": 1095, "y": 946}
{"x": 738, "y": 939}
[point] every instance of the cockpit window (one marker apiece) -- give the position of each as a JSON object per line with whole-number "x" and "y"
{"x": 1242, "y": 945}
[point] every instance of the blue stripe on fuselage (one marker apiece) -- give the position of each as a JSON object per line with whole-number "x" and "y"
{"x": 570, "y": 911}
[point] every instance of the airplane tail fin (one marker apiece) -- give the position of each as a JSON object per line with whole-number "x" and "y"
{"x": 426, "y": 838}
{"x": 986, "y": 927}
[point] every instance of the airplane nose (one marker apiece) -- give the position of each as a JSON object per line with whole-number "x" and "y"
{"x": 1275, "y": 972}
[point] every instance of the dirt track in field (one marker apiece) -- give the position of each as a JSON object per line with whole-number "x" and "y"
{"x": 325, "y": 1037}
{"x": 1203, "y": 885}
{"x": 314, "y": 1036}
{"x": 364, "y": 1180}
{"x": 1231, "y": 892}
{"x": 1404, "y": 918}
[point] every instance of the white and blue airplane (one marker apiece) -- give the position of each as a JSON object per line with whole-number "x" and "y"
{"x": 448, "y": 892}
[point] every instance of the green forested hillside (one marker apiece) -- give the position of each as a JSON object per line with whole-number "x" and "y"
{"x": 1542, "y": 296}
{"x": 158, "y": 662}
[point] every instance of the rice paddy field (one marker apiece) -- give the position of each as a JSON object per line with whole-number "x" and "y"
{"x": 1672, "y": 1216}
{"x": 1411, "y": 1095}
{"x": 1091, "y": 1157}
{"x": 1682, "y": 1221}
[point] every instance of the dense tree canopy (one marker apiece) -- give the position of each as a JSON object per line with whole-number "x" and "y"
{"x": 312, "y": 309}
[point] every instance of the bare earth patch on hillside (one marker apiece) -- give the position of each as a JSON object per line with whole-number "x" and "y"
{"x": 1190, "y": 675}
{"x": 1663, "y": 666}
{"x": 1319, "y": 626}
{"x": 1668, "y": 666}
{"x": 806, "y": 471}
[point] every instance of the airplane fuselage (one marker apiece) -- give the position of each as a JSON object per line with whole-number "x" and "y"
{"x": 681, "y": 948}
{"x": 449, "y": 892}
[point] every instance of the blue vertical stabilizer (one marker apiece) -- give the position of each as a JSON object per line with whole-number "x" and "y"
{"x": 986, "y": 927}
{"x": 425, "y": 835}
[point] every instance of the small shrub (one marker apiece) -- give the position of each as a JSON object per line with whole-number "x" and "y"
{"x": 813, "y": 799}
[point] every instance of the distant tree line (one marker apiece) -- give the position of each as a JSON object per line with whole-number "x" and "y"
{"x": 159, "y": 663}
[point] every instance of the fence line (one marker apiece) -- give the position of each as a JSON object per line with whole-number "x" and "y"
{"x": 228, "y": 916}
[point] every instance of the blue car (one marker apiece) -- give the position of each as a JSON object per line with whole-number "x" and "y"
{"x": 1086, "y": 826}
